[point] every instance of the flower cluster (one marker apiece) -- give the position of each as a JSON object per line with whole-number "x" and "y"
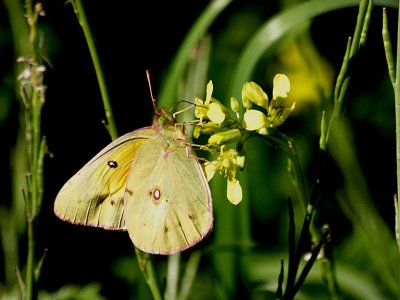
{"x": 226, "y": 132}
{"x": 226, "y": 164}
{"x": 31, "y": 79}
{"x": 277, "y": 109}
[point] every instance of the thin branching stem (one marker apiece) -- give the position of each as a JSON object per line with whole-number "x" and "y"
{"x": 393, "y": 69}
{"x": 33, "y": 96}
{"x": 353, "y": 45}
{"x": 394, "y": 74}
{"x": 342, "y": 83}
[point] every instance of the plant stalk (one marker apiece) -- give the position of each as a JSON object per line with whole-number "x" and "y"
{"x": 80, "y": 13}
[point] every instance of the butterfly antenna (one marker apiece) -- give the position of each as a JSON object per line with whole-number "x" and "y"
{"x": 182, "y": 110}
{"x": 151, "y": 91}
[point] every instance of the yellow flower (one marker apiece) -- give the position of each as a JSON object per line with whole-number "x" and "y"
{"x": 213, "y": 119}
{"x": 226, "y": 165}
{"x": 279, "y": 108}
{"x": 210, "y": 109}
{"x": 252, "y": 92}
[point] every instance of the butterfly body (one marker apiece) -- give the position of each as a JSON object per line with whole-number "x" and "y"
{"x": 148, "y": 182}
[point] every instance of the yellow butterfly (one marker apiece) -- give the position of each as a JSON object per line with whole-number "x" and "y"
{"x": 148, "y": 182}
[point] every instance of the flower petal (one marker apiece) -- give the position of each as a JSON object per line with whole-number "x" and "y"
{"x": 234, "y": 191}
{"x": 254, "y": 119}
{"x": 209, "y": 170}
{"x": 262, "y": 131}
{"x": 200, "y": 110}
{"x": 253, "y": 92}
{"x": 216, "y": 112}
{"x": 240, "y": 160}
{"x": 279, "y": 116}
{"x": 209, "y": 91}
{"x": 281, "y": 86}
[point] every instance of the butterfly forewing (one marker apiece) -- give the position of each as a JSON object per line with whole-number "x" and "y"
{"x": 94, "y": 195}
{"x": 167, "y": 200}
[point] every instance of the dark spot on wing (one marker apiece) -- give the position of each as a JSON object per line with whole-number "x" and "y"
{"x": 99, "y": 200}
{"x": 112, "y": 164}
{"x": 129, "y": 192}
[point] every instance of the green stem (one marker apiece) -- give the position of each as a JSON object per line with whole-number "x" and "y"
{"x": 397, "y": 221}
{"x": 30, "y": 264}
{"x": 189, "y": 275}
{"x": 36, "y": 123}
{"x": 33, "y": 94}
{"x": 343, "y": 80}
{"x": 147, "y": 269}
{"x": 292, "y": 267}
{"x": 397, "y": 104}
{"x": 394, "y": 74}
{"x": 174, "y": 261}
{"x": 288, "y": 146}
{"x": 143, "y": 259}
{"x": 80, "y": 13}
{"x": 354, "y": 46}
{"x": 387, "y": 44}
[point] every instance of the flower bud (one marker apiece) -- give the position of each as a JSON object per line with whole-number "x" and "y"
{"x": 235, "y": 105}
{"x": 225, "y": 137}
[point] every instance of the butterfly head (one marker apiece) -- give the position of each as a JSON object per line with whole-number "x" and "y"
{"x": 164, "y": 117}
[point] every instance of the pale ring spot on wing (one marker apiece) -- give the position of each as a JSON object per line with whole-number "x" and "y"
{"x": 155, "y": 195}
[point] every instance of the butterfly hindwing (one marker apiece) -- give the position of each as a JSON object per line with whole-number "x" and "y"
{"x": 170, "y": 210}
{"x": 94, "y": 195}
